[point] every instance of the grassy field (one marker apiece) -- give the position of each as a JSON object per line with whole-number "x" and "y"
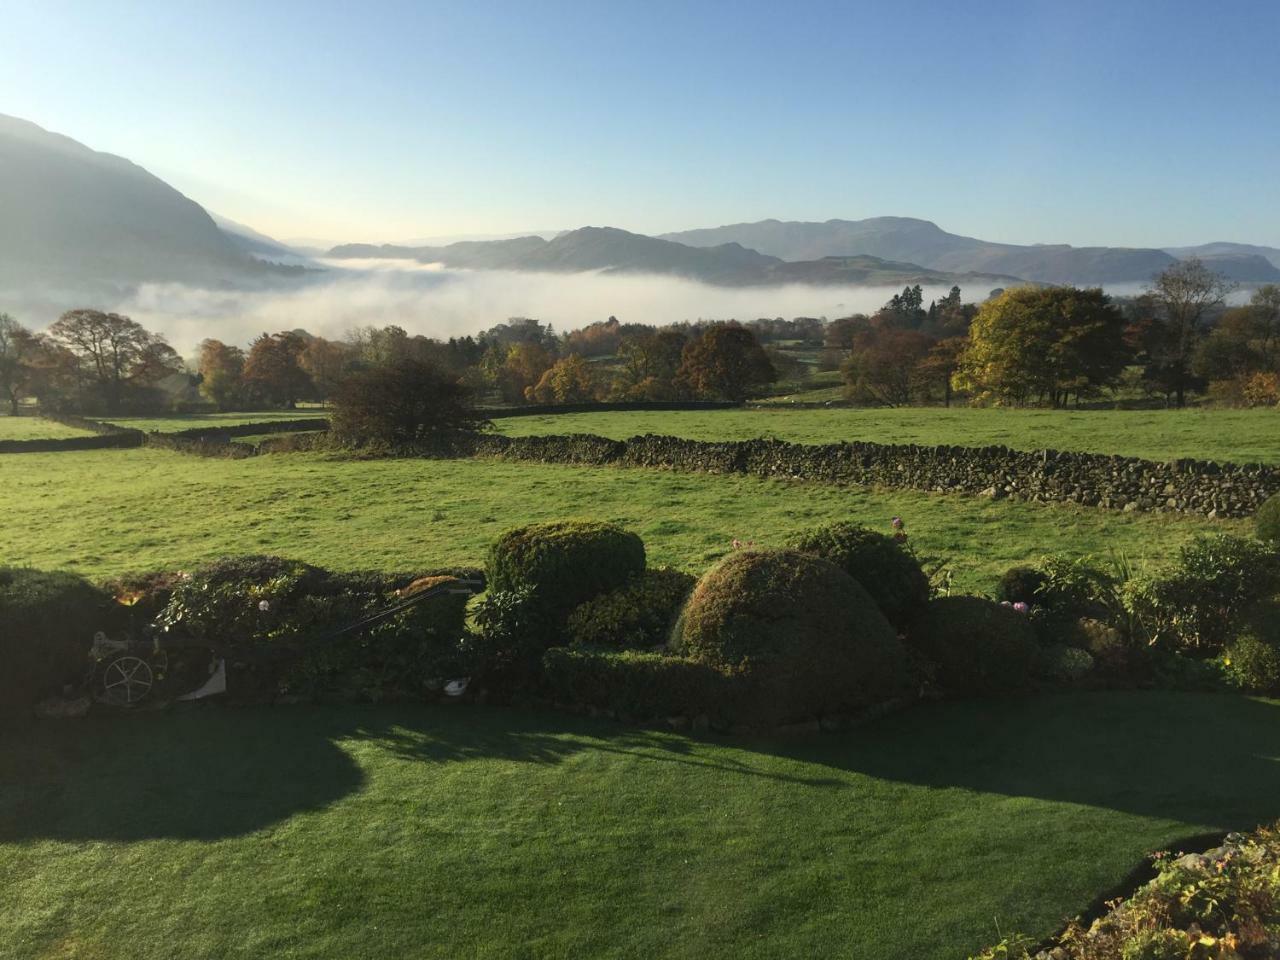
{"x": 173, "y": 424}
{"x": 36, "y": 428}
{"x": 1242, "y": 436}
{"x": 111, "y": 511}
{"x": 450, "y": 832}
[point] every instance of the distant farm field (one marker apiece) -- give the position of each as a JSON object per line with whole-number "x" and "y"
{"x": 1240, "y": 436}
{"x": 111, "y": 511}
{"x": 36, "y": 428}
{"x": 174, "y": 424}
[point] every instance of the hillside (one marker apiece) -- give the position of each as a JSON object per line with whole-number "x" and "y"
{"x": 71, "y": 215}
{"x": 615, "y": 251}
{"x": 924, "y": 242}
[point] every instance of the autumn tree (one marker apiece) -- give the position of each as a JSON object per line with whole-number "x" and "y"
{"x": 569, "y": 380}
{"x": 881, "y": 367}
{"x": 940, "y": 364}
{"x": 649, "y": 364}
{"x": 1031, "y": 345}
{"x": 273, "y": 370}
{"x": 221, "y": 373}
{"x": 522, "y": 368}
{"x": 726, "y": 361}
{"x": 113, "y": 353}
{"x": 325, "y": 362}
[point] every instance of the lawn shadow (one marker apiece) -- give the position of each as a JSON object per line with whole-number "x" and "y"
{"x": 1206, "y": 759}
{"x": 202, "y": 772}
{"x": 207, "y": 772}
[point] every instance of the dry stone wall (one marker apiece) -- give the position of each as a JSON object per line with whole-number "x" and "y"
{"x": 1197, "y": 487}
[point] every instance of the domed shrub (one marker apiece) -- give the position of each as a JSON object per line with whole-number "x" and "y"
{"x": 886, "y": 570}
{"x": 981, "y": 648}
{"x": 801, "y": 631}
{"x": 639, "y": 614}
{"x": 1252, "y": 662}
{"x": 1064, "y": 664}
{"x": 1021, "y": 585}
{"x": 47, "y": 623}
{"x": 564, "y": 564}
{"x": 1267, "y": 520}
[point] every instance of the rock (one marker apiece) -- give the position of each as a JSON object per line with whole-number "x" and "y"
{"x": 56, "y": 708}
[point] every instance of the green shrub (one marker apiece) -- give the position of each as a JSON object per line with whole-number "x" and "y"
{"x": 639, "y": 614}
{"x": 1062, "y": 663}
{"x": 637, "y": 685}
{"x": 282, "y": 616}
{"x": 1267, "y": 520}
{"x": 1021, "y": 585}
{"x": 1201, "y": 605}
{"x": 565, "y": 564}
{"x": 1111, "y": 653}
{"x": 980, "y": 647}
{"x": 801, "y": 632}
{"x": 884, "y": 567}
{"x": 1252, "y": 661}
{"x": 47, "y": 623}
{"x": 512, "y": 629}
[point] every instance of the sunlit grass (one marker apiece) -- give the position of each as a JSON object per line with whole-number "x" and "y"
{"x": 1241, "y": 436}
{"x": 105, "y": 512}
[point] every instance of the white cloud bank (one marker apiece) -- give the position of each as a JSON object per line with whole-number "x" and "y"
{"x": 425, "y": 299}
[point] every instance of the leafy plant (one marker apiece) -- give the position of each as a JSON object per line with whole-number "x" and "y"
{"x": 639, "y": 614}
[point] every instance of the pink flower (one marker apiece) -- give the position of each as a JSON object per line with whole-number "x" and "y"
{"x": 264, "y": 605}
{"x": 1021, "y": 607}
{"x": 897, "y": 523}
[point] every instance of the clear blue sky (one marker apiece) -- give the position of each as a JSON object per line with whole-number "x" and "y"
{"x": 1142, "y": 123}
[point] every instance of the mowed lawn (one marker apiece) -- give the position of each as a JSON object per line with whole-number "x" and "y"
{"x": 1239, "y": 436}
{"x": 113, "y": 511}
{"x": 36, "y": 428}
{"x": 447, "y": 832}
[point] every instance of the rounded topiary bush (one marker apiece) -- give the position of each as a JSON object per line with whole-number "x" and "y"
{"x": 979, "y": 647}
{"x": 47, "y": 623}
{"x": 1267, "y": 521}
{"x": 564, "y": 564}
{"x": 638, "y": 614}
{"x": 1021, "y": 585}
{"x": 800, "y": 630}
{"x": 886, "y": 569}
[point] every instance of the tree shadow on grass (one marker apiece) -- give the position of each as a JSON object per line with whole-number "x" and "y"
{"x": 205, "y": 772}
{"x": 1205, "y": 759}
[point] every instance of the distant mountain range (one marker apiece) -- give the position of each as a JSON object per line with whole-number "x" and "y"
{"x": 72, "y": 218}
{"x": 614, "y": 251}
{"x": 924, "y": 242}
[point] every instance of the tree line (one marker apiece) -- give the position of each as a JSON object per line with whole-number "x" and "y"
{"x": 1030, "y": 345}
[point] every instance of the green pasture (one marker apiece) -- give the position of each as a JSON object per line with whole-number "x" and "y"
{"x": 1240, "y": 436}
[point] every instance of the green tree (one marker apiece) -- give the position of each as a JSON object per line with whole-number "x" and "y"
{"x": 1182, "y": 299}
{"x": 402, "y": 402}
{"x": 19, "y": 349}
{"x": 1032, "y": 345}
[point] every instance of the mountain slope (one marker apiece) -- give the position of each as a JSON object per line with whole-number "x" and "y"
{"x": 1224, "y": 249}
{"x": 70, "y": 214}
{"x": 923, "y": 242}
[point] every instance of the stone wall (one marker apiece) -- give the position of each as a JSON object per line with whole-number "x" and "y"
{"x": 1197, "y": 487}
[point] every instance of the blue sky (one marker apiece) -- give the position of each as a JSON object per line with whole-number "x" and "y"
{"x": 1153, "y": 123}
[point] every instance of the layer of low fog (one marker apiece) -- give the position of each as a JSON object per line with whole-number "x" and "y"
{"x": 443, "y": 303}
